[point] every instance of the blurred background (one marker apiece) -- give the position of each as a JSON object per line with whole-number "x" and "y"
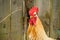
{"x": 14, "y": 18}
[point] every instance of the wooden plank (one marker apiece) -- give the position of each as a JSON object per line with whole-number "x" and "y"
{"x": 4, "y": 11}
{"x": 4, "y": 25}
{"x": 17, "y": 20}
{"x": 4, "y": 36}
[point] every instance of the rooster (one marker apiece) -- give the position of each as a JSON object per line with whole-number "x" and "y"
{"x": 35, "y": 29}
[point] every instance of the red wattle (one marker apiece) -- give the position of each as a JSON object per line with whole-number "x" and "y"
{"x": 32, "y": 21}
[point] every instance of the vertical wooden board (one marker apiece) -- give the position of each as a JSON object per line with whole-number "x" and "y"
{"x": 17, "y": 25}
{"x": 58, "y": 11}
{"x": 4, "y": 11}
{"x": 55, "y": 13}
{"x": 17, "y": 20}
{"x": 59, "y": 14}
{"x": 57, "y": 19}
{"x": 5, "y": 24}
{"x": 4, "y": 36}
{"x": 54, "y": 19}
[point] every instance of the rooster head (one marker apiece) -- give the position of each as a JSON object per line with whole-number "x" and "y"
{"x": 33, "y": 11}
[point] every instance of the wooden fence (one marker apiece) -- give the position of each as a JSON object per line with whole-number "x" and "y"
{"x": 14, "y": 17}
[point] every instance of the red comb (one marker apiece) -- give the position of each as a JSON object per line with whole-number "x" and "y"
{"x": 32, "y": 10}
